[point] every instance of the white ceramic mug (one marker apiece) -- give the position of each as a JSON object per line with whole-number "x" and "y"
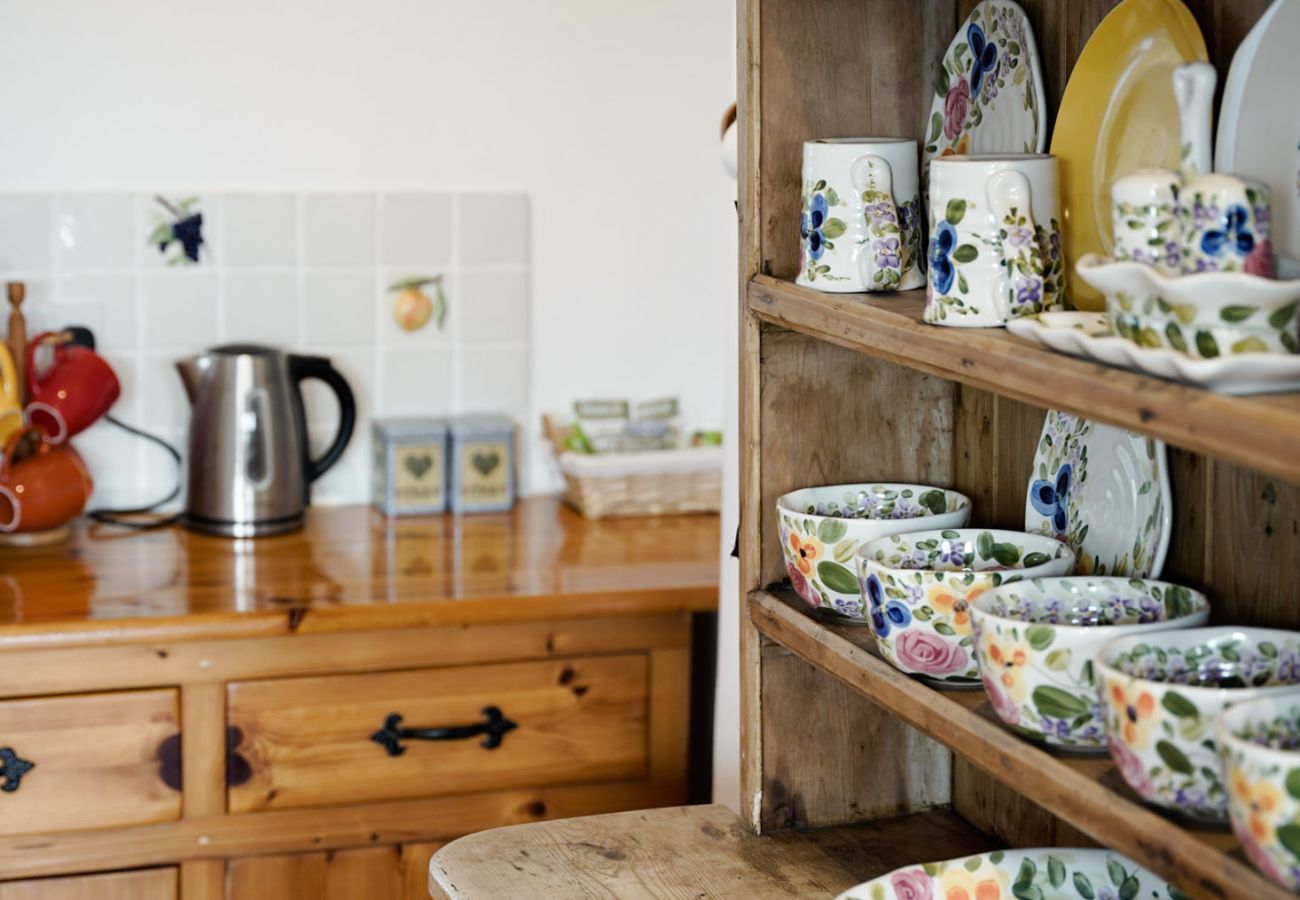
{"x": 1144, "y": 216}
{"x": 995, "y": 246}
{"x": 861, "y": 223}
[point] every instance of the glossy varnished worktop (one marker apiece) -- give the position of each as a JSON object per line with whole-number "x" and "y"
{"x": 353, "y": 568}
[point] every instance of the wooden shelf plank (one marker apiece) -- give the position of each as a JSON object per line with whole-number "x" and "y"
{"x": 1086, "y": 792}
{"x": 689, "y": 851}
{"x": 1256, "y": 432}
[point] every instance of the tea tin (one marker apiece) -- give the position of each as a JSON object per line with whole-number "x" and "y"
{"x": 482, "y": 463}
{"x": 409, "y": 474}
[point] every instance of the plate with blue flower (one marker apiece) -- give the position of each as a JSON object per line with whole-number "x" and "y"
{"x": 1105, "y": 492}
{"x": 988, "y": 88}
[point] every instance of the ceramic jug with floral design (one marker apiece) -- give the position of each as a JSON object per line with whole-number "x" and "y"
{"x": 861, "y": 223}
{"x": 995, "y": 246}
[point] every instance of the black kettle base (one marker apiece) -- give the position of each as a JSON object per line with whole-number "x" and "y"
{"x": 246, "y": 529}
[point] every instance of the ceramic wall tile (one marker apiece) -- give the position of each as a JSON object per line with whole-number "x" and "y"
{"x": 260, "y": 307}
{"x": 415, "y": 228}
{"x": 156, "y": 471}
{"x": 338, "y": 307}
{"x": 495, "y": 379}
{"x": 123, "y": 365}
{"x": 415, "y": 381}
{"x": 162, "y": 400}
{"x": 111, "y": 454}
{"x": 104, "y": 303}
{"x": 358, "y": 367}
{"x": 338, "y": 229}
{"x": 94, "y": 231}
{"x": 179, "y": 310}
{"x": 429, "y": 333}
{"x": 493, "y": 305}
{"x": 177, "y": 229}
{"x": 25, "y": 232}
{"x": 493, "y": 228}
{"x": 348, "y": 480}
{"x": 259, "y": 229}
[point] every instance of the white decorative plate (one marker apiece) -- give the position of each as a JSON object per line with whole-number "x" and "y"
{"x": 1088, "y": 335}
{"x": 988, "y": 92}
{"x": 1259, "y": 120}
{"x": 1105, "y": 492}
{"x": 1048, "y": 873}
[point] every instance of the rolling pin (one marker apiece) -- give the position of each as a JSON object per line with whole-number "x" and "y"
{"x": 17, "y": 335}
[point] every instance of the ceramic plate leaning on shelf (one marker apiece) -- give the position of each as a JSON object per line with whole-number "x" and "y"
{"x": 1259, "y": 120}
{"x": 988, "y": 95}
{"x": 1118, "y": 114}
{"x": 1049, "y": 873}
{"x": 1105, "y": 492}
{"x": 1088, "y": 335}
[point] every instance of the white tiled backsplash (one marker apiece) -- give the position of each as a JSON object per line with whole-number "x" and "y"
{"x": 306, "y": 271}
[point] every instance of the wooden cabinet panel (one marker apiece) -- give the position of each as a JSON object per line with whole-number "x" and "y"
{"x": 308, "y": 741}
{"x": 144, "y": 884}
{"x": 95, "y": 761}
{"x": 372, "y": 873}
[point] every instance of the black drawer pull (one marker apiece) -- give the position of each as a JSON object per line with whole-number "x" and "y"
{"x": 493, "y": 728}
{"x": 12, "y": 769}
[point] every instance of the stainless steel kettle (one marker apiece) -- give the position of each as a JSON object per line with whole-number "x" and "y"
{"x": 249, "y": 469}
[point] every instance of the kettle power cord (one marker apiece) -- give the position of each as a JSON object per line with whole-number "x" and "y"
{"x": 143, "y": 518}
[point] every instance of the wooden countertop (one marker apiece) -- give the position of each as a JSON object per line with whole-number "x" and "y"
{"x": 352, "y": 568}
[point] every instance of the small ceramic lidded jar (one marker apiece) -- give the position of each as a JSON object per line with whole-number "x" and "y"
{"x": 1226, "y": 225}
{"x": 1145, "y": 223}
{"x": 409, "y": 474}
{"x": 482, "y": 463}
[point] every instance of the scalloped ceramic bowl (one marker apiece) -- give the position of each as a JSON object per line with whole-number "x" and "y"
{"x": 1035, "y": 640}
{"x": 1259, "y": 744}
{"x": 1160, "y": 694}
{"x": 1204, "y": 315}
{"x": 823, "y": 529}
{"x": 919, "y": 587}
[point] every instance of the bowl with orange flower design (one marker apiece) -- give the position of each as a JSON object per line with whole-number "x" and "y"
{"x": 1259, "y": 744}
{"x": 1160, "y": 696}
{"x": 919, "y": 587}
{"x": 824, "y": 528}
{"x": 1035, "y": 640}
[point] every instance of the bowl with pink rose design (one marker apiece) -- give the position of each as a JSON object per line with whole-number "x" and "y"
{"x": 1161, "y": 693}
{"x": 1058, "y": 873}
{"x": 823, "y": 529}
{"x": 1035, "y": 640}
{"x": 918, "y": 588}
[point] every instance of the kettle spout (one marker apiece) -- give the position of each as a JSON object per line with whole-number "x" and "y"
{"x": 191, "y": 371}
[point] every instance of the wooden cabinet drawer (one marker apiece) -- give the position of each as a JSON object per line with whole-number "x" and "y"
{"x": 94, "y": 761}
{"x": 142, "y": 884}
{"x": 310, "y": 741}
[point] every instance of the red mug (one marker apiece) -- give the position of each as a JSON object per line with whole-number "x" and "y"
{"x": 43, "y": 490}
{"x": 74, "y": 390}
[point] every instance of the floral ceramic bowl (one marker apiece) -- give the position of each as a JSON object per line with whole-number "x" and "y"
{"x": 823, "y": 528}
{"x": 1035, "y": 641}
{"x": 1259, "y": 743}
{"x": 1160, "y": 694}
{"x": 1048, "y": 873}
{"x": 1204, "y": 315}
{"x": 919, "y": 587}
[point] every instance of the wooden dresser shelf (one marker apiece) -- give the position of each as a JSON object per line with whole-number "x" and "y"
{"x": 1085, "y": 791}
{"x": 889, "y": 327}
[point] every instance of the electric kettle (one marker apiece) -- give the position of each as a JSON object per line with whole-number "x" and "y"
{"x": 250, "y": 472}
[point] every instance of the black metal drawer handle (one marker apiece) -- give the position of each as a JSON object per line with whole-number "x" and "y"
{"x": 493, "y": 728}
{"x": 12, "y": 769}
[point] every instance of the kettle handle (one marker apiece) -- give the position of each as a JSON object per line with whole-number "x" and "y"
{"x": 304, "y": 367}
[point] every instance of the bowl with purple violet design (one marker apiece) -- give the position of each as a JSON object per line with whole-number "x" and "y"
{"x": 823, "y": 529}
{"x": 1035, "y": 640}
{"x": 1161, "y": 693}
{"x": 919, "y": 587}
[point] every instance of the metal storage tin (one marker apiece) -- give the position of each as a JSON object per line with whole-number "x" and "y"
{"x": 409, "y": 474}
{"x": 482, "y": 467}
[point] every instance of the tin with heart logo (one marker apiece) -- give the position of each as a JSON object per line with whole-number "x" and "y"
{"x": 409, "y": 475}
{"x": 482, "y": 464}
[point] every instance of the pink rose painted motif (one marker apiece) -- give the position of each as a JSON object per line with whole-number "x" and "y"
{"x": 1260, "y": 260}
{"x": 1131, "y": 767}
{"x": 955, "y": 106}
{"x": 1003, "y": 705}
{"x": 930, "y": 654}
{"x": 801, "y": 585}
{"x": 913, "y": 884}
{"x": 1258, "y": 855}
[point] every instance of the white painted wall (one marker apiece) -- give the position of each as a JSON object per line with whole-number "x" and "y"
{"x": 604, "y": 111}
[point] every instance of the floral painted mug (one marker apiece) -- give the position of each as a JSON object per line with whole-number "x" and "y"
{"x": 1226, "y": 224}
{"x": 861, "y": 223}
{"x": 995, "y": 246}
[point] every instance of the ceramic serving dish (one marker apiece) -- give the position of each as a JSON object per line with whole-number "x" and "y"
{"x": 1035, "y": 640}
{"x": 919, "y": 587}
{"x": 1259, "y": 743}
{"x": 1160, "y": 694}
{"x": 1204, "y": 315}
{"x": 1046, "y": 873}
{"x": 823, "y": 528}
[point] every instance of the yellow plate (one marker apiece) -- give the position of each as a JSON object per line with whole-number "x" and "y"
{"x": 1118, "y": 114}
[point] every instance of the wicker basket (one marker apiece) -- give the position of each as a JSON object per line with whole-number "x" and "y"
{"x": 654, "y": 483}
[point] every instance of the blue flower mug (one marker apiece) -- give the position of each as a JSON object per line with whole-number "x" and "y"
{"x": 1226, "y": 224}
{"x": 995, "y": 245}
{"x": 860, "y": 228}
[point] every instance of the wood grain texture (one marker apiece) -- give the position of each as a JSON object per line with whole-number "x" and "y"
{"x": 372, "y": 873}
{"x": 95, "y": 758}
{"x": 145, "y": 884}
{"x": 685, "y": 852}
{"x": 203, "y": 879}
{"x": 308, "y": 740}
